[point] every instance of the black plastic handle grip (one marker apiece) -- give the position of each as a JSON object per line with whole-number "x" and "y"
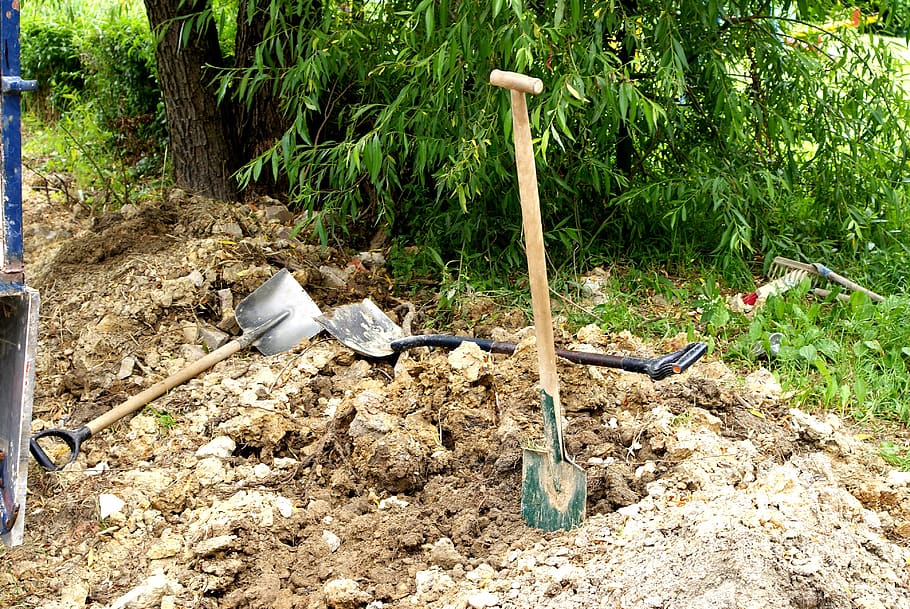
{"x": 72, "y": 438}
{"x": 657, "y": 368}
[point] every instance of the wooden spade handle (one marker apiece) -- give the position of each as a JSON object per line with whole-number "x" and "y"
{"x": 161, "y": 387}
{"x": 537, "y": 263}
{"x": 516, "y": 82}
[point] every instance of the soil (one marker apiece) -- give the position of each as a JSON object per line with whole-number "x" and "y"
{"x": 319, "y": 478}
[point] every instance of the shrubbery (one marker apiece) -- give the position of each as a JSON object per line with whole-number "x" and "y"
{"x": 95, "y": 67}
{"x": 665, "y": 128}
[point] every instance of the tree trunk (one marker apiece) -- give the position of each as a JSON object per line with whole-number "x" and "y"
{"x": 260, "y": 123}
{"x": 199, "y": 130}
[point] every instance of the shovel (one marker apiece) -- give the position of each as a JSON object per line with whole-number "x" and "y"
{"x": 274, "y": 318}
{"x": 554, "y": 489}
{"x": 366, "y": 330}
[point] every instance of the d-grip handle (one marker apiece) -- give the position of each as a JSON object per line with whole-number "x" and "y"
{"x": 516, "y": 82}
{"x": 72, "y": 438}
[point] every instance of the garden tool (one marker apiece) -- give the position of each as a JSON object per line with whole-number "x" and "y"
{"x": 274, "y": 318}
{"x": 783, "y": 265}
{"x": 788, "y": 273}
{"x": 554, "y": 488}
{"x": 19, "y": 303}
{"x": 366, "y": 330}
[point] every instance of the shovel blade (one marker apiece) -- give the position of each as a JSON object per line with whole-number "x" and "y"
{"x": 553, "y": 493}
{"x": 554, "y": 490}
{"x": 18, "y": 344}
{"x": 363, "y": 328}
{"x": 279, "y": 295}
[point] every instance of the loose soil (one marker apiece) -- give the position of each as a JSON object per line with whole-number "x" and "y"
{"x": 317, "y": 478}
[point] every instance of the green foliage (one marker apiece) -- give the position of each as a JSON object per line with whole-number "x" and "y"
{"x": 664, "y": 126}
{"x": 896, "y": 455}
{"x": 122, "y": 80}
{"x": 851, "y": 356}
{"x": 51, "y": 55}
{"x": 892, "y": 16}
{"x": 164, "y": 419}
{"x": 99, "y": 100}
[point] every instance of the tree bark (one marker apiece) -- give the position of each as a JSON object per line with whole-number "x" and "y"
{"x": 201, "y": 147}
{"x": 261, "y": 123}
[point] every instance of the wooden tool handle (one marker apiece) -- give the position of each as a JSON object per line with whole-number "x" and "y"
{"x": 161, "y": 387}
{"x": 516, "y": 82}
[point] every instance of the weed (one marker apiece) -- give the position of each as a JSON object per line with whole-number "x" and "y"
{"x": 896, "y": 455}
{"x": 165, "y": 420}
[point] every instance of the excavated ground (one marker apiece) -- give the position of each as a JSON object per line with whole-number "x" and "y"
{"x": 318, "y": 478}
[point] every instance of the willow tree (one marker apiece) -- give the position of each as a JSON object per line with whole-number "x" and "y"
{"x": 730, "y": 127}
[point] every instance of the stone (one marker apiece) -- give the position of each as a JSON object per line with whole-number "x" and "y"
{"x": 483, "y": 599}
{"x": 109, "y": 504}
{"x": 331, "y": 540}
{"x": 220, "y": 446}
{"x": 444, "y": 554}
{"x": 344, "y": 594}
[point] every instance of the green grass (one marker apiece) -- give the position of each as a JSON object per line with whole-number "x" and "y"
{"x": 850, "y": 357}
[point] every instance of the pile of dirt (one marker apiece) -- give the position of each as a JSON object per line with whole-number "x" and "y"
{"x": 317, "y": 478}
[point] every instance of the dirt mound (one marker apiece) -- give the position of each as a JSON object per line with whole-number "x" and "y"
{"x": 316, "y": 478}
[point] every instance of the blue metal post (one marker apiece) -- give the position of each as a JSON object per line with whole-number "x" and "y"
{"x": 18, "y": 303}
{"x": 12, "y": 270}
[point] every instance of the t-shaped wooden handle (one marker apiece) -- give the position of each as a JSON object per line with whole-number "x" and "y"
{"x": 516, "y": 82}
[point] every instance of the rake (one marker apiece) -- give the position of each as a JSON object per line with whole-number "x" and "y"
{"x": 787, "y": 273}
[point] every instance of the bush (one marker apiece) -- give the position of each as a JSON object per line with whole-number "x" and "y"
{"x": 51, "y": 55}
{"x": 665, "y": 128}
{"x": 121, "y": 76}
{"x": 96, "y": 62}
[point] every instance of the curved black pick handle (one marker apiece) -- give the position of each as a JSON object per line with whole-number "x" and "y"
{"x": 674, "y": 363}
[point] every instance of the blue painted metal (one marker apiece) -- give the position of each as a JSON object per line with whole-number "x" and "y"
{"x": 12, "y": 269}
{"x": 18, "y": 303}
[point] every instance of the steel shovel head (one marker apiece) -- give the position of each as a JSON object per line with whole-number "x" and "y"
{"x": 18, "y": 345}
{"x": 279, "y": 295}
{"x": 363, "y": 328}
{"x": 554, "y": 490}
{"x": 553, "y": 493}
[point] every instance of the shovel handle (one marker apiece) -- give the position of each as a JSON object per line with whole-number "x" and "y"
{"x": 516, "y": 82}
{"x": 518, "y": 85}
{"x": 74, "y": 438}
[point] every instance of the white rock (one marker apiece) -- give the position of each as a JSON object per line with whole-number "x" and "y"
{"x": 109, "y": 504}
{"x": 126, "y": 367}
{"x": 331, "y": 540}
{"x": 284, "y": 506}
{"x": 261, "y": 470}
{"x": 482, "y": 599}
{"x": 812, "y": 427}
{"x": 98, "y": 468}
{"x": 430, "y": 584}
{"x": 341, "y": 593}
{"x": 482, "y": 573}
{"x": 220, "y": 446}
{"x": 147, "y": 594}
{"x": 169, "y": 545}
{"x": 392, "y": 502}
{"x": 898, "y": 478}
{"x": 468, "y": 359}
{"x": 630, "y": 511}
{"x": 211, "y": 471}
